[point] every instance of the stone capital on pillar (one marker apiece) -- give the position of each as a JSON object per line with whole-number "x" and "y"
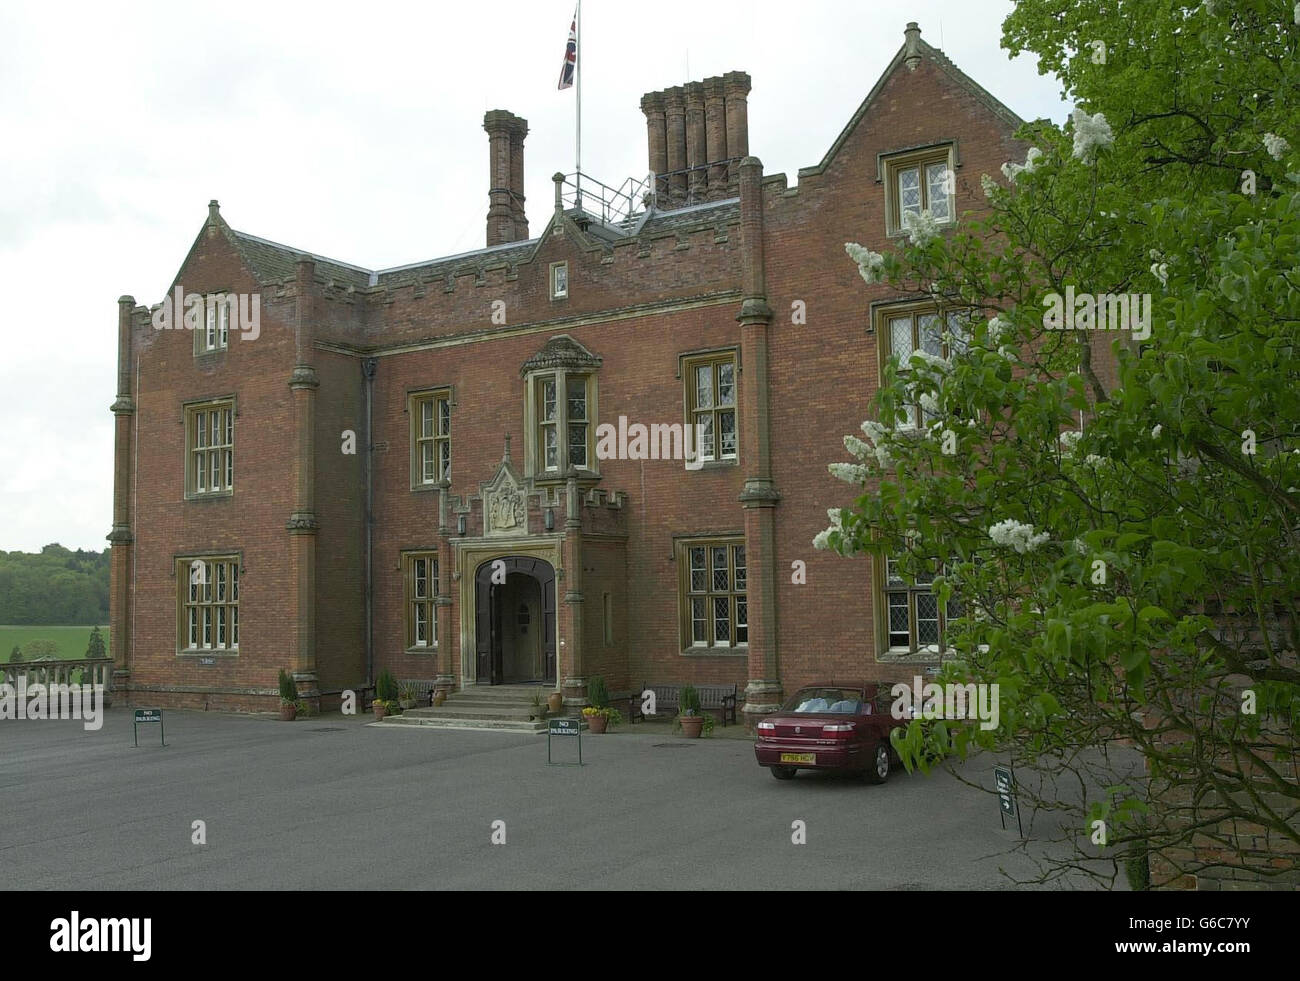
{"x": 759, "y": 492}
{"x": 754, "y": 310}
{"x": 302, "y": 523}
{"x": 303, "y": 376}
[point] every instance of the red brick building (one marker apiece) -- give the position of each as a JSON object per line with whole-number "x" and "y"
{"x": 337, "y": 494}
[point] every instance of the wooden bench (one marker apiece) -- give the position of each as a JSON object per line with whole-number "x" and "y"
{"x": 423, "y": 690}
{"x": 720, "y": 699}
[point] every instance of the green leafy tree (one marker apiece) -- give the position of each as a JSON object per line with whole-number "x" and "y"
{"x": 1112, "y": 520}
{"x": 36, "y": 649}
{"x": 55, "y": 586}
{"x": 95, "y": 648}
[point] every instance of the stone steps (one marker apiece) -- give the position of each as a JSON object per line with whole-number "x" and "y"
{"x": 450, "y": 723}
{"x": 479, "y": 707}
{"x": 451, "y": 710}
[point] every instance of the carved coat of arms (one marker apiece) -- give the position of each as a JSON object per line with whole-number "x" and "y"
{"x": 508, "y": 508}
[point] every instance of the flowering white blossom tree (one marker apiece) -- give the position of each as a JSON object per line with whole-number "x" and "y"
{"x": 1126, "y": 543}
{"x": 922, "y": 228}
{"x": 1091, "y": 133}
{"x": 870, "y": 264}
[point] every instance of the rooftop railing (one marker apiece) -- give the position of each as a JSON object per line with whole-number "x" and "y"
{"x": 620, "y": 207}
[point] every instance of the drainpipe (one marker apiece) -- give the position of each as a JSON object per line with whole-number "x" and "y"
{"x": 368, "y": 366}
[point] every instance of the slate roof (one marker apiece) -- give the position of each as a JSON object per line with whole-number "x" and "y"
{"x": 272, "y": 261}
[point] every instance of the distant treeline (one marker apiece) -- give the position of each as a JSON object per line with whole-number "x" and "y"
{"x": 57, "y": 586}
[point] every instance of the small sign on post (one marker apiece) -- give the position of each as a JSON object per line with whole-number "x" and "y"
{"x": 148, "y": 717}
{"x": 563, "y": 727}
{"x": 1005, "y": 782}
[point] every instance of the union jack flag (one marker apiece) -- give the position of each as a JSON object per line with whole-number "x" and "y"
{"x": 570, "y": 55}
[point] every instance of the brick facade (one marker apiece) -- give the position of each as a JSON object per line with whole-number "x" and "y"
{"x": 342, "y": 348}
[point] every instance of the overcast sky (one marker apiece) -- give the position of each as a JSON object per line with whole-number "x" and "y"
{"x": 355, "y": 132}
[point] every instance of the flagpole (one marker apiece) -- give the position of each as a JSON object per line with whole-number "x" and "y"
{"x": 577, "y": 69}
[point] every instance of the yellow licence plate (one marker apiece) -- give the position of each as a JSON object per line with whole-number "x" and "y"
{"x": 798, "y": 757}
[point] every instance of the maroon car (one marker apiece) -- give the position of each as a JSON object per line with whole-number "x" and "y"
{"x": 830, "y": 727}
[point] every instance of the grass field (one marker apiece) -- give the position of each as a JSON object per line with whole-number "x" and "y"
{"x": 70, "y": 641}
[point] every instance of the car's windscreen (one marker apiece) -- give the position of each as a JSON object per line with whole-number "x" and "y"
{"x": 839, "y": 701}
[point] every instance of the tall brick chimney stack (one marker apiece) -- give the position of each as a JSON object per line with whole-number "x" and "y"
{"x": 736, "y": 85}
{"x": 517, "y": 135}
{"x": 675, "y": 116}
{"x": 652, "y": 104}
{"x": 692, "y": 131}
{"x": 696, "y": 148}
{"x": 506, "y": 221}
{"x": 715, "y": 134}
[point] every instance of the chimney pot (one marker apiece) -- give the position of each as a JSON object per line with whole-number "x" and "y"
{"x": 675, "y": 126}
{"x": 715, "y": 134}
{"x": 912, "y": 54}
{"x": 737, "y": 86}
{"x": 652, "y": 104}
{"x": 696, "y": 150}
{"x": 506, "y": 221}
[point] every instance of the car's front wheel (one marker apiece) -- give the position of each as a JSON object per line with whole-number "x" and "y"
{"x": 783, "y": 772}
{"x": 878, "y": 771}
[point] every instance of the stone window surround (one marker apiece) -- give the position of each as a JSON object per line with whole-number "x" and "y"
{"x": 889, "y": 163}
{"x": 554, "y": 269}
{"x": 217, "y": 302}
{"x": 881, "y": 313}
{"x": 430, "y": 600}
{"x": 190, "y": 411}
{"x": 181, "y": 565}
{"x": 680, "y": 555}
{"x": 414, "y": 397}
{"x": 534, "y": 465}
{"x": 686, "y": 363}
{"x": 914, "y": 652}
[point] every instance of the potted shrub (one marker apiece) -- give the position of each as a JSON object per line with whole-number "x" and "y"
{"x": 599, "y": 718}
{"x": 386, "y": 692}
{"x": 688, "y": 712}
{"x": 406, "y": 695}
{"x": 380, "y": 708}
{"x": 537, "y": 707}
{"x": 599, "y": 714}
{"x": 288, "y": 697}
{"x": 439, "y": 696}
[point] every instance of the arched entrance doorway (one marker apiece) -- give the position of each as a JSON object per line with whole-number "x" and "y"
{"x": 514, "y": 620}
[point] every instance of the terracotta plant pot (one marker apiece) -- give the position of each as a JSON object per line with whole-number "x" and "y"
{"x": 439, "y": 697}
{"x": 692, "y": 725}
{"x": 597, "y": 723}
{"x": 380, "y": 711}
{"x": 555, "y": 701}
{"x": 288, "y": 711}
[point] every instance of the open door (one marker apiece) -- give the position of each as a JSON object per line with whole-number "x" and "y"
{"x": 488, "y": 637}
